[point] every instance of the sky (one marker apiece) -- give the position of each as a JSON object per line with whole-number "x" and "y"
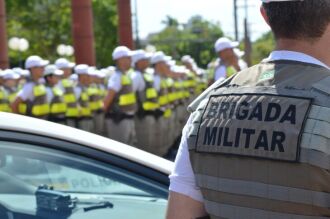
{"x": 152, "y": 12}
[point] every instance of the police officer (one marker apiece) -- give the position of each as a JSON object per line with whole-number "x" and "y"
{"x": 147, "y": 98}
{"x": 10, "y": 83}
{"x": 33, "y": 93}
{"x": 67, "y": 85}
{"x": 55, "y": 96}
{"x": 228, "y": 64}
{"x": 256, "y": 144}
{"x": 120, "y": 102}
{"x": 85, "y": 121}
{"x": 158, "y": 61}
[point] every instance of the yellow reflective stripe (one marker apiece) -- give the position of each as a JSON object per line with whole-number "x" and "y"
{"x": 171, "y": 97}
{"x": 125, "y": 80}
{"x": 85, "y": 111}
{"x": 93, "y": 105}
{"x": 69, "y": 98}
{"x": 151, "y": 93}
{"x": 39, "y": 90}
{"x": 72, "y": 112}
{"x": 58, "y": 108}
{"x": 40, "y": 110}
{"x": 163, "y": 100}
{"x": 127, "y": 99}
{"x": 2, "y": 95}
{"x": 57, "y": 91}
{"x": 167, "y": 113}
{"x": 67, "y": 83}
{"x": 12, "y": 97}
{"x": 84, "y": 97}
{"x": 4, "y": 107}
{"x": 22, "y": 108}
{"x": 150, "y": 106}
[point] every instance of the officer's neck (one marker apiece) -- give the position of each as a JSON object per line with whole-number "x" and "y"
{"x": 315, "y": 49}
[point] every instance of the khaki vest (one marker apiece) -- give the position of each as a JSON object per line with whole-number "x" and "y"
{"x": 70, "y": 99}
{"x": 84, "y": 103}
{"x": 148, "y": 98}
{"x": 58, "y": 107}
{"x": 39, "y": 107}
{"x": 125, "y": 100}
{"x": 259, "y": 143}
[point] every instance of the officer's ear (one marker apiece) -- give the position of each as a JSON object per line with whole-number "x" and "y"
{"x": 264, "y": 14}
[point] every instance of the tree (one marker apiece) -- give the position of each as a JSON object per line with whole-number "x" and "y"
{"x": 47, "y": 23}
{"x": 195, "y": 38}
{"x": 262, "y": 47}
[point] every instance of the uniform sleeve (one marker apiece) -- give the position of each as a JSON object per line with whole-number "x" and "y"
{"x": 27, "y": 92}
{"x": 182, "y": 179}
{"x": 114, "y": 82}
{"x": 220, "y": 73}
{"x": 135, "y": 81}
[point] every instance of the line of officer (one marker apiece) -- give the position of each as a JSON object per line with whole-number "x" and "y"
{"x": 120, "y": 103}
{"x": 256, "y": 145}
{"x": 31, "y": 100}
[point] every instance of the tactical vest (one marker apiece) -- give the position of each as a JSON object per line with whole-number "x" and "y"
{"x": 149, "y": 97}
{"x": 84, "y": 103}
{"x": 4, "y": 102}
{"x": 57, "y": 107}
{"x": 125, "y": 100}
{"x": 39, "y": 107}
{"x": 259, "y": 143}
{"x": 164, "y": 102}
{"x": 96, "y": 100}
{"x": 70, "y": 99}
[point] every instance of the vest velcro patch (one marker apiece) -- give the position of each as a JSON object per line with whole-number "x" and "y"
{"x": 255, "y": 125}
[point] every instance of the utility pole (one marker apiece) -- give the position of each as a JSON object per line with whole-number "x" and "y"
{"x": 82, "y": 31}
{"x": 125, "y": 23}
{"x": 236, "y": 20}
{"x": 4, "y": 63}
{"x": 137, "y": 38}
{"x": 247, "y": 40}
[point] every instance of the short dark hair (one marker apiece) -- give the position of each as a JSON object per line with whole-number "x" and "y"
{"x": 306, "y": 19}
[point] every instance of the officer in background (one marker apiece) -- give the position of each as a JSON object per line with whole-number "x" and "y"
{"x": 55, "y": 96}
{"x": 256, "y": 145}
{"x": 67, "y": 85}
{"x": 85, "y": 121}
{"x": 33, "y": 93}
{"x": 120, "y": 102}
{"x": 147, "y": 99}
{"x": 228, "y": 64}
{"x": 158, "y": 61}
{"x": 10, "y": 84}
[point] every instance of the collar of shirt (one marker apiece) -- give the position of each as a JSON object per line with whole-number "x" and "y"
{"x": 294, "y": 56}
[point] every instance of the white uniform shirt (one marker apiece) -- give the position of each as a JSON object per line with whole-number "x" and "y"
{"x": 114, "y": 82}
{"x": 138, "y": 81}
{"x": 220, "y": 72}
{"x": 182, "y": 179}
{"x": 26, "y": 94}
{"x": 157, "y": 80}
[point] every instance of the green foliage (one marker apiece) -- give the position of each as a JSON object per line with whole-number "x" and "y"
{"x": 262, "y": 47}
{"x": 47, "y": 23}
{"x": 195, "y": 38}
{"x": 105, "y": 30}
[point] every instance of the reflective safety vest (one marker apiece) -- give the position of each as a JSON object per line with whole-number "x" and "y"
{"x": 84, "y": 103}
{"x": 4, "y": 102}
{"x": 125, "y": 100}
{"x": 12, "y": 93}
{"x": 58, "y": 106}
{"x": 38, "y": 107}
{"x": 172, "y": 96}
{"x": 201, "y": 86}
{"x": 150, "y": 100}
{"x": 186, "y": 92}
{"x": 164, "y": 102}
{"x": 179, "y": 91}
{"x": 191, "y": 83}
{"x": 95, "y": 98}
{"x": 259, "y": 143}
{"x": 70, "y": 99}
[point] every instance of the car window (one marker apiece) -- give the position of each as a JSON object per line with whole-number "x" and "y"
{"x": 33, "y": 166}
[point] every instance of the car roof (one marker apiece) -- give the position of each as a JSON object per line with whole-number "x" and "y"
{"x": 14, "y": 122}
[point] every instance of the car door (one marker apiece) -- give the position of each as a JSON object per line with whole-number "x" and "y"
{"x": 97, "y": 183}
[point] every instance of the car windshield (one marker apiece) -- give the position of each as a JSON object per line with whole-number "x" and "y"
{"x": 24, "y": 168}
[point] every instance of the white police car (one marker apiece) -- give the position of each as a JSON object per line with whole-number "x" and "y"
{"x": 53, "y": 171}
